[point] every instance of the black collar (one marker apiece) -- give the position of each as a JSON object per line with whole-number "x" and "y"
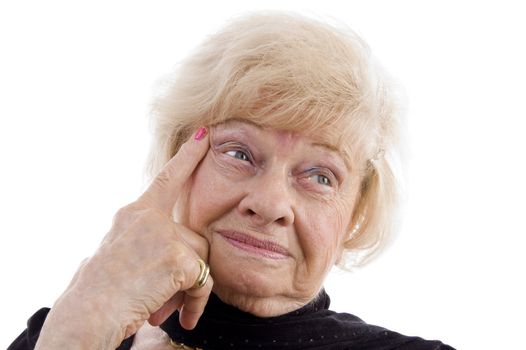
{"x": 223, "y": 326}
{"x": 312, "y": 327}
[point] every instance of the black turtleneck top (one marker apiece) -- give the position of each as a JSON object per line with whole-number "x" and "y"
{"x": 313, "y": 326}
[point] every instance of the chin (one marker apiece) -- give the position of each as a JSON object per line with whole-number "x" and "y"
{"x": 261, "y": 288}
{"x": 245, "y": 277}
{"x": 258, "y": 304}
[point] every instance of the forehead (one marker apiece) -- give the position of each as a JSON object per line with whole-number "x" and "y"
{"x": 283, "y": 135}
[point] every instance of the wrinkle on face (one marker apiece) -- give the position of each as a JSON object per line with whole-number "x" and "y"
{"x": 218, "y": 200}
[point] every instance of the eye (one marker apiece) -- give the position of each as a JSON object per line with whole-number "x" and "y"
{"x": 322, "y": 176}
{"x": 238, "y": 155}
{"x": 322, "y": 180}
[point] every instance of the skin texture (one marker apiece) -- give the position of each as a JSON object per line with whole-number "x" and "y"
{"x": 270, "y": 203}
{"x": 267, "y": 209}
{"x": 143, "y": 270}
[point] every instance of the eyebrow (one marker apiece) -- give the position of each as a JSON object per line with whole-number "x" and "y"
{"x": 327, "y": 146}
{"x": 330, "y": 147}
{"x": 234, "y": 121}
{"x": 333, "y": 149}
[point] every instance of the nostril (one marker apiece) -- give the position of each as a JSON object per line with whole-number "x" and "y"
{"x": 284, "y": 220}
{"x": 263, "y": 211}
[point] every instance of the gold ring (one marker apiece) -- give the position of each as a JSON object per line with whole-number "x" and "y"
{"x": 204, "y": 272}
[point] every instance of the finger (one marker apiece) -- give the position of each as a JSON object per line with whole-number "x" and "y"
{"x": 197, "y": 242}
{"x": 191, "y": 270}
{"x": 161, "y": 315}
{"x": 165, "y": 188}
{"x": 194, "y": 303}
{"x": 191, "y": 302}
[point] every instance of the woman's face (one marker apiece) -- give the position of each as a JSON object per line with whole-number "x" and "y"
{"x": 275, "y": 207}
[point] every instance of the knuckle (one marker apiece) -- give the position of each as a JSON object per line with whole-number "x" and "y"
{"x": 123, "y": 216}
{"x": 163, "y": 178}
{"x": 176, "y": 253}
{"x": 176, "y": 259}
{"x": 83, "y": 263}
{"x": 178, "y": 279}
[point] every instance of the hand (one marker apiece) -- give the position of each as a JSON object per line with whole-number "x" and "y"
{"x": 144, "y": 269}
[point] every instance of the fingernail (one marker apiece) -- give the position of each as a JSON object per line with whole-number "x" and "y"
{"x": 200, "y": 134}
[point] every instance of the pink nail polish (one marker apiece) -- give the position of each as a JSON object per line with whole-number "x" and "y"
{"x": 200, "y": 134}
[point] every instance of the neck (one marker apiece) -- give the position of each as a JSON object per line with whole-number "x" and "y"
{"x": 224, "y": 326}
{"x": 262, "y": 306}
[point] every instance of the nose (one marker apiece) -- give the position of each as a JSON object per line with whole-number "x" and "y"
{"x": 268, "y": 199}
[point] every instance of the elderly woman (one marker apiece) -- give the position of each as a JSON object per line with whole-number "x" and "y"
{"x": 271, "y": 161}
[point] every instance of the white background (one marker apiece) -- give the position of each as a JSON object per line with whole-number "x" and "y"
{"x": 75, "y": 82}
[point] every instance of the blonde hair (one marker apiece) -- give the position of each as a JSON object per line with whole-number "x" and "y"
{"x": 291, "y": 72}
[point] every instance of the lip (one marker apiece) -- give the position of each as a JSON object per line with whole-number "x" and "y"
{"x": 255, "y": 246}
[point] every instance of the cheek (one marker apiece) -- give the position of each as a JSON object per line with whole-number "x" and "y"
{"x": 211, "y": 195}
{"x": 323, "y": 232}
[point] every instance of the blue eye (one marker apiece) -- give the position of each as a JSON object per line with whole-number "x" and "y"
{"x": 322, "y": 176}
{"x": 323, "y": 180}
{"x": 238, "y": 155}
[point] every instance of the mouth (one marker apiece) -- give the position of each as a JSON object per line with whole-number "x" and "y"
{"x": 255, "y": 246}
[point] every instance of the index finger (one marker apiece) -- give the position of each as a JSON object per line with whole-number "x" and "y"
{"x": 167, "y": 185}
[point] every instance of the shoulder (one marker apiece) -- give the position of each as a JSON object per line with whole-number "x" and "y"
{"x": 28, "y": 338}
{"x": 352, "y": 331}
